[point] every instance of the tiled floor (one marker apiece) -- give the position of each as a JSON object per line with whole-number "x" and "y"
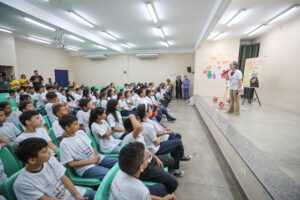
{"x": 207, "y": 176}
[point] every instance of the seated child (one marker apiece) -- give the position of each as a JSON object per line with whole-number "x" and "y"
{"x": 32, "y": 122}
{"x": 103, "y": 100}
{"x": 43, "y": 176}
{"x": 73, "y": 105}
{"x": 102, "y": 132}
{"x": 10, "y": 115}
{"x": 114, "y": 118}
{"x": 133, "y": 161}
{"x": 84, "y": 114}
{"x": 52, "y": 101}
{"x": 125, "y": 109}
{"x": 76, "y": 151}
{"x": 20, "y": 92}
{"x": 8, "y": 130}
{"x": 59, "y": 111}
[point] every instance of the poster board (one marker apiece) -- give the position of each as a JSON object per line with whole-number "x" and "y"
{"x": 253, "y": 72}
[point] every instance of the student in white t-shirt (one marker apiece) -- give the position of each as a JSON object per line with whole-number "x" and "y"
{"x": 62, "y": 97}
{"x": 125, "y": 109}
{"x": 77, "y": 152}
{"x": 95, "y": 98}
{"x": 49, "y": 89}
{"x": 114, "y": 118}
{"x": 133, "y": 161}
{"x": 8, "y": 130}
{"x": 71, "y": 102}
{"x": 78, "y": 95}
{"x": 32, "y": 121}
{"x": 43, "y": 176}
{"x": 39, "y": 101}
{"x": 10, "y": 115}
{"x": 104, "y": 100}
{"x": 52, "y": 101}
{"x": 59, "y": 111}
{"x": 84, "y": 114}
{"x": 129, "y": 101}
{"x": 102, "y": 132}
{"x": 141, "y": 97}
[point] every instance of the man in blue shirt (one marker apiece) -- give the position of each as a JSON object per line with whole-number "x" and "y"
{"x": 186, "y": 86}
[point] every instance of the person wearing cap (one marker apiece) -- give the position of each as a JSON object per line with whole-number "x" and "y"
{"x": 234, "y": 76}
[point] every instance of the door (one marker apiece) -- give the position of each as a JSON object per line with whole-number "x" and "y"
{"x": 62, "y": 77}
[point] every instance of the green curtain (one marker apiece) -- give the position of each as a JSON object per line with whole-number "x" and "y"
{"x": 247, "y": 51}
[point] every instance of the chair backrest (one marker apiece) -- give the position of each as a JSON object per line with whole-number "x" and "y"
{"x": 53, "y": 137}
{"x": 9, "y": 162}
{"x": 93, "y": 140}
{"x": 19, "y": 126}
{"x": 3, "y": 97}
{"x": 104, "y": 188}
{"x": 12, "y": 151}
{"x": 7, "y": 187}
{"x": 47, "y": 120}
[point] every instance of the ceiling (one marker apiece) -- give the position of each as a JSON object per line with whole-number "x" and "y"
{"x": 258, "y": 12}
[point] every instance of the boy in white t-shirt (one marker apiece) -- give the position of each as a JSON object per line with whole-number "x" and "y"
{"x": 8, "y": 130}
{"x": 10, "y": 115}
{"x": 52, "y": 101}
{"x": 126, "y": 185}
{"x": 77, "y": 152}
{"x": 84, "y": 114}
{"x": 59, "y": 111}
{"x": 43, "y": 176}
{"x": 32, "y": 121}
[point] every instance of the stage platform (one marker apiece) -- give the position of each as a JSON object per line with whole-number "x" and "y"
{"x": 262, "y": 146}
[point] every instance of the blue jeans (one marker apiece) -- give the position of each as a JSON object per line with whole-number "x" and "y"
{"x": 186, "y": 93}
{"x": 127, "y": 112}
{"x": 100, "y": 170}
{"x": 117, "y": 148}
{"x": 162, "y": 111}
{"x": 90, "y": 194}
{"x": 158, "y": 189}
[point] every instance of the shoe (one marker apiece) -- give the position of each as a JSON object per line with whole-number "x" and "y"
{"x": 177, "y": 172}
{"x": 186, "y": 157}
{"x": 172, "y": 119}
{"x": 168, "y": 110}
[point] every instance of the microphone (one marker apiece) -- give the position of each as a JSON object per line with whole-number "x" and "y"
{"x": 225, "y": 72}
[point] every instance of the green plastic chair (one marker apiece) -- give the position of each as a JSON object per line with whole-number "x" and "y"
{"x": 9, "y": 162}
{"x": 103, "y": 190}
{"x": 19, "y": 126}
{"x": 96, "y": 146}
{"x": 12, "y": 151}
{"x": 7, "y": 187}
{"x": 47, "y": 120}
{"x": 3, "y": 97}
{"x": 53, "y": 137}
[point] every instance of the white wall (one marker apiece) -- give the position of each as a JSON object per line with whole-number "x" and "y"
{"x": 8, "y": 51}
{"x": 221, "y": 50}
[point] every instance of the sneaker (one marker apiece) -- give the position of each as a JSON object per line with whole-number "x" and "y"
{"x": 177, "y": 172}
{"x": 186, "y": 157}
{"x": 168, "y": 110}
{"x": 172, "y": 119}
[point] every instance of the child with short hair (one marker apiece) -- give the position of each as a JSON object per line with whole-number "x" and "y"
{"x": 43, "y": 176}
{"x": 114, "y": 118}
{"x": 49, "y": 89}
{"x": 77, "y": 152}
{"x": 39, "y": 103}
{"x": 32, "y": 122}
{"x": 104, "y": 100}
{"x": 133, "y": 160}
{"x": 8, "y": 130}
{"x": 84, "y": 114}
{"x": 102, "y": 132}
{"x": 11, "y": 94}
{"x": 10, "y": 115}
{"x": 62, "y": 97}
{"x": 125, "y": 109}
{"x": 52, "y": 101}
{"x": 59, "y": 111}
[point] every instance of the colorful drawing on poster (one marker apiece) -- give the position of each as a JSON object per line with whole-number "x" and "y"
{"x": 252, "y": 72}
{"x": 214, "y": 76}
{"x": 223, "y": 75}
{"x": 208, "y": 67}
{"x": 219, "y": 67}
{"x": 213, "y": 58}
{"x": 218, "y": 76}
{"x": 225, "y": 62}
{"x": 218, "y": 62}
{"x": 216, "y": 66}
{"x": 209, "y": 74}
{"x": 205, "y": 71}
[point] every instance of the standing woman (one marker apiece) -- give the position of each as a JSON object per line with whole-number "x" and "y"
{"x": 170, "y": 84}
{"x": 186, "y": 87}
{"x": 24, "y": 82}
{"x": 14, "y": 84}
{"x": 178, "y": 87}
{"x": 235, "y": 84}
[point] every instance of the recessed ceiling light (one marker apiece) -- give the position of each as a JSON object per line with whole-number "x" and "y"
{"x": 72, "y": 48}
{"x": 109, "y": 35}
{"x": 152, "y": 12}
{"x": 38, "y": 40}
{"x": 256, "y": 30}
{"x": 81, "y": 19}
{"x": 217, "y": 36}
{"x": 100, "y": 47}
{"x": 236, "y": 17}
{"x": 75, "y": 38}
{"x": 283, "y": 14}
{"x": 39, "y": 24}
{"x": 5, "y": 30}
{"x": 166, "y": 43}
{"x": 161, "y": 32}
{"x": 127, "y": 45}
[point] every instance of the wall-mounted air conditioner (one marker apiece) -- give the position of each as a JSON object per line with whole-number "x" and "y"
{"x": 96, "y": 57}
{"x": 147, "y": 55}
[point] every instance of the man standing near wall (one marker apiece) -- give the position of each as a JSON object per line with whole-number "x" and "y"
{"x": 178, "y": 87}
{"x": 235, "y": 84}
{"x": 36, "y": 79}
{"x": 186, "y": 87}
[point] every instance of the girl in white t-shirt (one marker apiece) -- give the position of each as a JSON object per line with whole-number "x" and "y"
{"x": 95, "y": 98}
{"x": 71, "y": 102}
{"x": 125, "y": 109}
{"x": 114, "y": 118}
{"x": 129, "y": 100}
{"x": 102, "y": 132}
{"x": 103, "y": 100}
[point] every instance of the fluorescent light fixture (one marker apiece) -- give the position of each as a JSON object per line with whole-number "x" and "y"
{"x": 161, "y": 32}
{"x": 100, "y": 47}
{"x": 256, "y": 30}
{"x": 217, "y": 36}
{"x": 166, "y": 43}
{"x": 39, "y": 24}
{"x": 283, "y": 14}
{"x": 127, "y": 45}
{"x": 38, "y": 40}
{"x": 236, "y": 17}
{"x": 72, "y": 48}
{"x": 75, "y": 38}
{"x": 109, "y": 35}
{"x": 151, "y": 11}
{"x": 5, "y": 30}
{"x": 81, "y": 19}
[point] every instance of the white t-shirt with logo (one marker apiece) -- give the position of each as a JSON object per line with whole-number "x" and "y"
{"x": 103, "y": 103}
{"x": 46, "y": 182}
{"x": 39, "y": 133}
{"x": 149, "y": 134}
{"x": 83, "y": 118}
{"x": 126, "y": 187}
{"x": 234, "y": 79}
{"x": 57, "y": 129}
{"x": 106, "y": 144}
{"x": 77, "y": 148}
{"x": 9, "y": 131}
{"x": 113, "y": 123}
